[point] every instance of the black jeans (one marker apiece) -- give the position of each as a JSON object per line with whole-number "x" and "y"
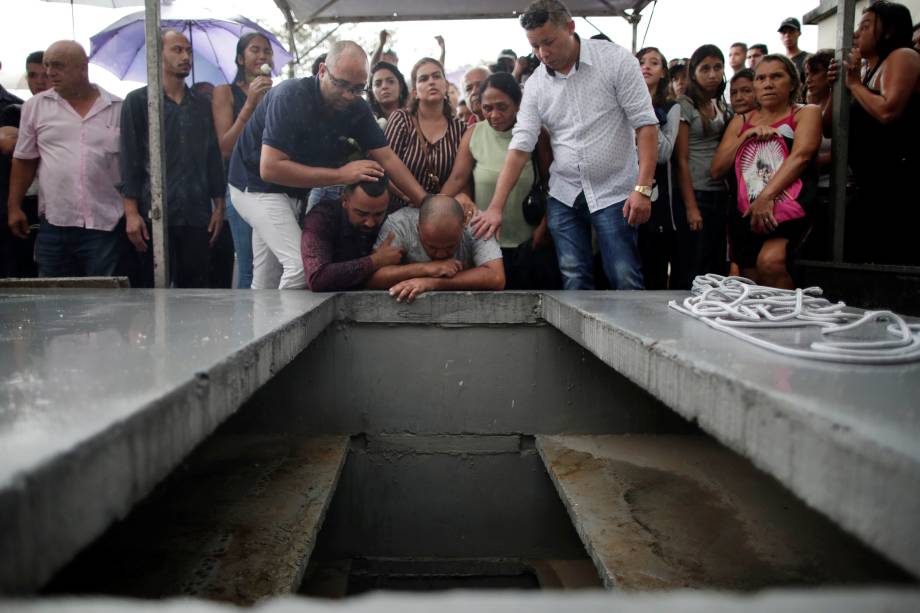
{"x": 706, "y": 250}
{"x": 188, "y": 259}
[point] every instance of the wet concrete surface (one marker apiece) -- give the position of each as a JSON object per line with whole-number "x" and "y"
{"x": 669, "y": 512}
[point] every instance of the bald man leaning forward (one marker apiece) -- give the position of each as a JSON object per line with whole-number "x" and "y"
{"x": 298, "y": 138}
{"x": 440, "y": 252}
{"x": 72, "y": 129}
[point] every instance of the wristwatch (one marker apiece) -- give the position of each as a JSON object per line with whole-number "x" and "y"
{"x": 645, "y": 190}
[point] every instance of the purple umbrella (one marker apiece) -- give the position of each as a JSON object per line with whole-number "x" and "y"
{"x": 120, "y": 48}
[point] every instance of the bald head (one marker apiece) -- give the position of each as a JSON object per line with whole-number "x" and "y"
{"x": 68, "y": 68}
{"x": 441, "y": 212}
{"x": 343, "y": 76}
{"x": 67, "y": 49}
{"x": 346, "y": 51}
{"x": 472, "y": 79}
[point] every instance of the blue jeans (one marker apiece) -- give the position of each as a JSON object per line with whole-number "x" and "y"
{"x": 318, "y": 194}
{"x": 63, "y": 251}
{"x": 242, "y": 245}
{"x": 617, "y": 240}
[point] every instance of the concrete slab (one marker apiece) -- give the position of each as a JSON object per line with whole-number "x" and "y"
{"x": 842, "y": 437}
{"x": 237, "y": 522}
{"x": 671, "y": 512}
{"x": 786, "y": 601}
{"x": 106, "y": 391}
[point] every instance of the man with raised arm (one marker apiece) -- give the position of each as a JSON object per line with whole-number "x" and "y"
{"x": 301, "y": 136}
{"x": 440, "y": 252}
{"x": 591, "y": 98}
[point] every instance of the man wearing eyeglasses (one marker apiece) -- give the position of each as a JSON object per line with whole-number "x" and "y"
{"x": 301, "y": 136}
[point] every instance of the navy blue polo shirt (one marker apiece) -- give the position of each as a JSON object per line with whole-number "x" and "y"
{"x": 293, "y": 118}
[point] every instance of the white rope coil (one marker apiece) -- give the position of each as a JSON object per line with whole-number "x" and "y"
{"x": 733, "y": 304}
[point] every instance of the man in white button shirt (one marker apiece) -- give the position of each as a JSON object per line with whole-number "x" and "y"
{"x": 591, "y": 98}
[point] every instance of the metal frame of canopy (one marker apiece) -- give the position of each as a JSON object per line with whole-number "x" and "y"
{"x": 846, "y": 8}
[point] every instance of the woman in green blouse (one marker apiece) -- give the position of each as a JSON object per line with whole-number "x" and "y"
{"x": 475, "y": 173}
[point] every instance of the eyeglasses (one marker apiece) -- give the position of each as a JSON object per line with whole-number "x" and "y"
{"x": 345, "y": 86}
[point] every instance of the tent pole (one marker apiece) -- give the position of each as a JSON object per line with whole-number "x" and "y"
{"x": 292, "y": 42}
{"x": 155, "y": 142}
{"x": 846, "y": 11}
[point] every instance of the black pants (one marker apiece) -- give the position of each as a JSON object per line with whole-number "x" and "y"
{"x": 659, "y": 252}
{"x": 526, "y": 268}
{"x": 17, "y": 255}
{"x": 706, "y": 251}
{"x": 188, "y": 259}
{"x": 220, "y": 267}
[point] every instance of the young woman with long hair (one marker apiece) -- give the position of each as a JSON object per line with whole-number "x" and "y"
{"x": 232, "y": 105}
{"x": 703, "y": 119}
{"x": 658, "y": 246}
{"x": 883, "y": 76}
{"x": 388, "y": 91}
{"x": 426, "y": 136}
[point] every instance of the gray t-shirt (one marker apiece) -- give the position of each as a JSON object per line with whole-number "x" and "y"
{"x": 404, "y": 226}
{"x": 702, "y": 146}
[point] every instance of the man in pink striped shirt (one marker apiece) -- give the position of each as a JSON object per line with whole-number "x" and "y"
{"x": 68, "y": 135}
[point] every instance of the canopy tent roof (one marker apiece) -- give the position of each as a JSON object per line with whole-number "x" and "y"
{"x": 335, "y": 11}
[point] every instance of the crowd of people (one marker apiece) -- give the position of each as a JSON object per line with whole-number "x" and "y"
{"x": 579, "y": 166}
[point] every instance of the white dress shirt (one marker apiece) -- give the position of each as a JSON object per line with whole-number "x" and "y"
{"x": 592, "y": 115}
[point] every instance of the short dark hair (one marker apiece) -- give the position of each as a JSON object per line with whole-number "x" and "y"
{"x": 314, "y": 69}
{"x": 742, "y": 45}
{"x": 761, "y": 46}
{"x": 820, "y": 60}
{"x": 540, "y": 11}
{"x": 746, "y": 73}
{"x": 374, "y": 189}
{"x": 505, "y": 83}
{"x": 897, "y": 29}
{"x": 36, "y": 57}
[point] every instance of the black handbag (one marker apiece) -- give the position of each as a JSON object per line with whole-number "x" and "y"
{"x": 534, "y": 204}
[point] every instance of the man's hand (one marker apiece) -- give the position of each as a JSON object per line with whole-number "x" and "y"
{"x": 384, "y": 35}
{"x": 638, "y": 209}
{"x": 8, "y": 137}
{"x": 487, "y": 224}
{"x": 410, "y": 289}
{"x": 443, "y": 268}
{"x": 360, "y": 170}
{"x": 215, "y": 225}
{"x": 541, "y": 237}
{"x": 440, "y": 40}
{"x": 136, "y": 228}
{"x": 387, "y": 254}
{"x": 18, "y": 222}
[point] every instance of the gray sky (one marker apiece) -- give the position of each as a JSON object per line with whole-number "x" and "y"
{"x": 678, "y": 27}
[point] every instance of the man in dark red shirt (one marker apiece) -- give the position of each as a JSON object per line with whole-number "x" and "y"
{"x": 338, "y": 238}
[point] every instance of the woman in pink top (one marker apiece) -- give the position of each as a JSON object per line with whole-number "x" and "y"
{"x": 771, "y": 151}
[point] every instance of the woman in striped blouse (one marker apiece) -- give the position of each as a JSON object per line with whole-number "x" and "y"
{"x": 426, "y": 135}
